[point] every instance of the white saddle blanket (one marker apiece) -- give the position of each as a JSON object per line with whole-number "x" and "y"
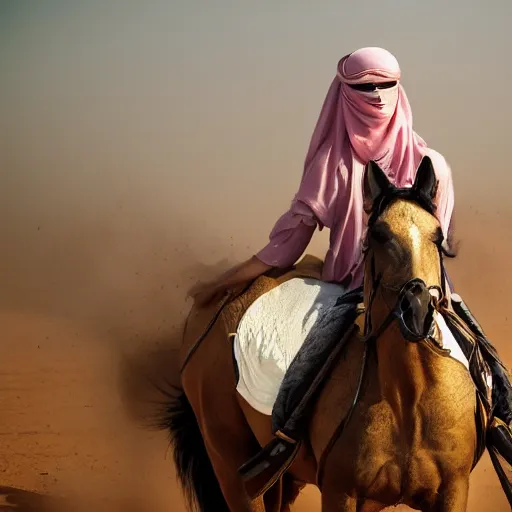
{"x": 275, "y": 326}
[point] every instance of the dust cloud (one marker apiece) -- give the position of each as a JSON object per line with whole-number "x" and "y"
{"x": 144, "y": 147}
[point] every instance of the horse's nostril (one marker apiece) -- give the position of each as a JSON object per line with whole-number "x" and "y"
{"x": 419, "y": 290}
{"x": 417, "y": 297}
{"x": 415, "y": 309}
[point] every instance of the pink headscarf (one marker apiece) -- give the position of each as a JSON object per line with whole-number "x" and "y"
{"x": 351, "y": 131}
{"x": 353, "y": 128}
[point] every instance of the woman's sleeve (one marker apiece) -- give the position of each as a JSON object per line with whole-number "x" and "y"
{"x": 289, "y": 237}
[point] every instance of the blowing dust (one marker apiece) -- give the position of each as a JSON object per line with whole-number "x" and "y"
{"x": 146, "y": 148}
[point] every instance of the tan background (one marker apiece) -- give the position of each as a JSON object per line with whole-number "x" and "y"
{"x": 142, "y": 143}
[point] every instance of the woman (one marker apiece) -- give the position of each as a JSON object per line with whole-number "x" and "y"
{"x": 365, "y": 116}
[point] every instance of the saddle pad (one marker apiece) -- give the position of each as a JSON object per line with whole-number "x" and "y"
{"x": 272, "y": 331}
{"x": 274, "y": 328}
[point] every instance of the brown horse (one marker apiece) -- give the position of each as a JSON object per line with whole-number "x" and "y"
{"x": 412, "y": 433}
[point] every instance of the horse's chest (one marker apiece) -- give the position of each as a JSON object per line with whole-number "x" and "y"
{"x": 387, "y": 467}
{"x": 407, "y": 455}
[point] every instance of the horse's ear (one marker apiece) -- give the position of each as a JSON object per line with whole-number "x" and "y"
{"x": 375, "y": 183}
{"x": 426, "y": 181}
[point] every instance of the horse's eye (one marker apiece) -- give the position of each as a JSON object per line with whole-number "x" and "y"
{"x": 381, "y": 233}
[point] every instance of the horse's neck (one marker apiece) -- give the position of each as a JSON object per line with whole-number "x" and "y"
{"x": 405, "y": 370}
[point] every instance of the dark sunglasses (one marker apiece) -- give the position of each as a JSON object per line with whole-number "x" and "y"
{"x": 372, "y": 87}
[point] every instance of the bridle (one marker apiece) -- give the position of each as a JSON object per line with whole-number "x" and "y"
{"x": 401, "y": 308}
{"x": 398, "y": 312}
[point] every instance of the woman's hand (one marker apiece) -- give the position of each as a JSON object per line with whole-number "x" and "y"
{"x": 204, "y": 293}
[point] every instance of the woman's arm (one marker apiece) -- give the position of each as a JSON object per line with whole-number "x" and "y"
{"x": 289, "y": 237}
{"x": 244, "y": 272}
{"x": 287, "y": 241}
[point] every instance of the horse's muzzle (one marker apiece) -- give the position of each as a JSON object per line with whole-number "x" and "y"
{"x": 416, "y": 311}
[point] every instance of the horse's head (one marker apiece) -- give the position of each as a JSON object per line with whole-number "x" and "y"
{"x": 403, "y": 250}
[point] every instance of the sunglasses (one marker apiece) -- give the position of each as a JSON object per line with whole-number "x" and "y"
{"x": 372, "y": 87}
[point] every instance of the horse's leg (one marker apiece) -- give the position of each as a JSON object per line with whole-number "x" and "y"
{"x": 369, "y": 506}
{"x": 291, "y": 490}
{"x": 273, "y": 497}
{"x": 334, "y": 494}
{"x": 229, "y": 443}
{"x": 281, "y": 496}
{"x": 453, "y": 497}
{"x": 303, "y": 468}
{"x": 335, "y": 501}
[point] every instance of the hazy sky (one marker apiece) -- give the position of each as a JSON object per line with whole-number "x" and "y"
{"x": 140, "y": 141}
